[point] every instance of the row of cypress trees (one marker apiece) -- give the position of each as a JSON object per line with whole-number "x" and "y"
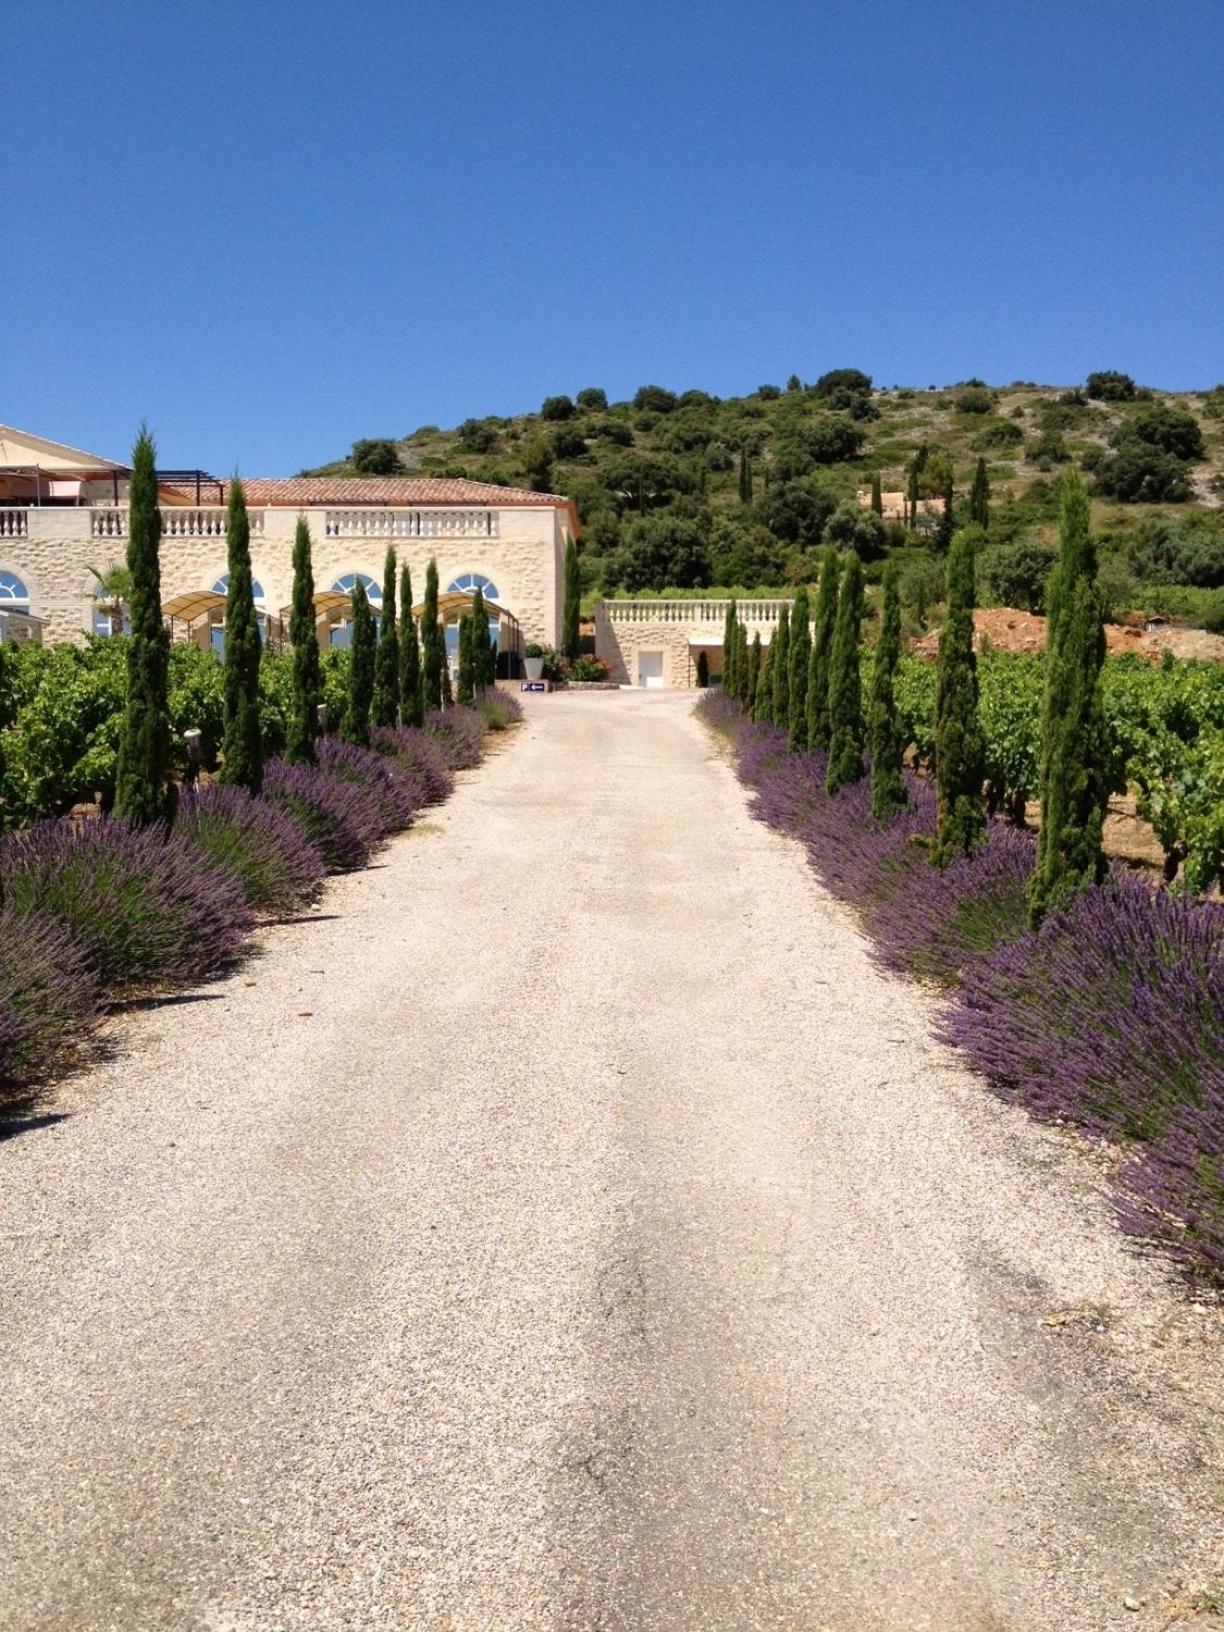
{"x": 808, "y": 684}
{"x": 393, "y": 676}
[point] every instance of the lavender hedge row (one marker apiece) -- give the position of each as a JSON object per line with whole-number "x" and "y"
{"x": 1110, "y": 1017}
{"x": 100, "y": 909}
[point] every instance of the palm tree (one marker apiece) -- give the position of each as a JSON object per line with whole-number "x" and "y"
{"x": 113, "y": 592}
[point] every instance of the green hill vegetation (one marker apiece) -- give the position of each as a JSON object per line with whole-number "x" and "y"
{"x": 687, "y": 491}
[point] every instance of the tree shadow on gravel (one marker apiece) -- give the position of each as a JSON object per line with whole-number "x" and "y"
{"x": 12, "y": 1126}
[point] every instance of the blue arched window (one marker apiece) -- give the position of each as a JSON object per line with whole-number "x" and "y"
{"x": 221, "y": 587}
{"x": 344, "y": 586}
{"x": 14, "y": 596}
{"x": 468, "y": 583}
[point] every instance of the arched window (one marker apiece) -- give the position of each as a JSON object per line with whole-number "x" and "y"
{"x": 14, "y": 596}
{"x": 221, "y": 587}
{"x": 468, "y": 583}
{"x": 344, "y": 586}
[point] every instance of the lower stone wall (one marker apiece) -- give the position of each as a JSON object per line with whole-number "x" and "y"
{"x": 621, "y": 645}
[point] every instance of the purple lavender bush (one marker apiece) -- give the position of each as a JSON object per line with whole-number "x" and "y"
{"x": 1111, "y": 1015}
{"x": 48, "y": 999}
{"x": 1173, "y": 1193}
{"x": 460, "y": 732}
{"x": 417, "y": 755}
{"x": 143, "y": 909}
{"x": 254, "y": 841}
{"x": 947, "y": 919}
{"x": 373, "y": 774}
{"x": 501, "y": 709}
{"x": 341, "y": 821}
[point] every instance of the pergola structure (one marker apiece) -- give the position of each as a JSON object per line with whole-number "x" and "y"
{"x": 199, "y": 611}
{"x": 456, "y": 604}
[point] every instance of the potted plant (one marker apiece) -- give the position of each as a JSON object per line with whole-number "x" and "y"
{"x": 533, "y": 661}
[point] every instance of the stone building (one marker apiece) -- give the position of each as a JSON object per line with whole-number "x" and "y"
{"x": 63, "y": 520}
{"x": 657, "y": 643}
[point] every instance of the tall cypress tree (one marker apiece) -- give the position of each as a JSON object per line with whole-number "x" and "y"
{"x": 979, "y": 496}
{"x": 745, "y": 477}
{"x": 467, "y": 663}
{"x": 433, "y": 642}
{"x": 412, "y": 703}
{"x": 570, "y": 640}
{"x": 726, "y": 643}
{"x": 798, "y": 658}
{"x": 242, "y": 750}
{"x": 361, "y": 668}
{"x": 960, "y": 744}
{"x": 386, "y": 668}
{"x": 779, "y": 668}
{"x": 754, "y": 671}
{"x": 741, "y": 662}
{"x": 144, "y": 744}
{"x": 877, "y": 495}
{"x": 884, "y": 742}
{"x": 307, "y": 669}
{"x": 448, "y": 697}
{"x": 763, "y": 700}
{"x": 917, "y": 465}
{"x": 822, "y": 651}
{"x": 731, "y": 658}
{"x": 1073, "y": 776}
{"x": 484, "y": 659}
{"x": 947, "y": 519}
{"x": 845, "y": 683}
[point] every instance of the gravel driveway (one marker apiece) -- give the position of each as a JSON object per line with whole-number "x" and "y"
{"x": 568, "y": 1228}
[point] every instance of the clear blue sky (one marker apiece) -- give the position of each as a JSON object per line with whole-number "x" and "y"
{"x": 272, "y": 228}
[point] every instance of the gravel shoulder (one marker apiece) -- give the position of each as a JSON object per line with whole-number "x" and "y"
{"x": 567, "y": 1227}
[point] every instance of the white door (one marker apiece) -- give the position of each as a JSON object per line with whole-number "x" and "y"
{"x": 650, "y": 669}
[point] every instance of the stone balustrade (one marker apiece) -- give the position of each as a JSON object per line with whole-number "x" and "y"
{"x": 410, "y": 523}
{"x": 695, "y": 611}
{"x": 14, "y": 523}
{"x": 112, "y": 522}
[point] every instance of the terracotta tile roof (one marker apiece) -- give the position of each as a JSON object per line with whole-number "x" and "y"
{"x": 306, "y": 492}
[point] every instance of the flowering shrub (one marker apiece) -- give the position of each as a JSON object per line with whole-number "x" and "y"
{"x": 261, "y": 846}
{"x": 142, "y": 908}
{"x": 391, "y": 789}
{"x": 48, "y": 996}
{"x": 1111, "y": 1016}
{"x": 342, "y": 822}
{"x": 419, "y": 754}
{"x": 585, "y": 668}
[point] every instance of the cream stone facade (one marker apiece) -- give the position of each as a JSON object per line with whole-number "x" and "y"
{"x": 657, "y": 643}
{"x": 514, "y": 539}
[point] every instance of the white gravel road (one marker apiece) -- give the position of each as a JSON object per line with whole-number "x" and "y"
{"x": 568, "y": 1228}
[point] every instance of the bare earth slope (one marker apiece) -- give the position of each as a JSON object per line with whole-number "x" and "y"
{"x": 608, "y": 1247}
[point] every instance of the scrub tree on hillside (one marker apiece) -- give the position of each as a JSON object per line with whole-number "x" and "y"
{"x": 412, "y": 703}
{"x": 433, "y": 645}
{"x": 884, "y": 742}
{"x": 307, "y": 669}
{"x": 1073, "y": 775}
{"x": 361, "y": 668}
{"x": 386, "y": 671}
{"x": 144, "y": 744}
{"x": 845, "y": 683}
{"x": 960, "y": 744}
{"x": 242, "y": 749}
{"x": 979, "y": 497}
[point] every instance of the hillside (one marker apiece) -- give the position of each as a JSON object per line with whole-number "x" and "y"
{"x": 662, "y": 482}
